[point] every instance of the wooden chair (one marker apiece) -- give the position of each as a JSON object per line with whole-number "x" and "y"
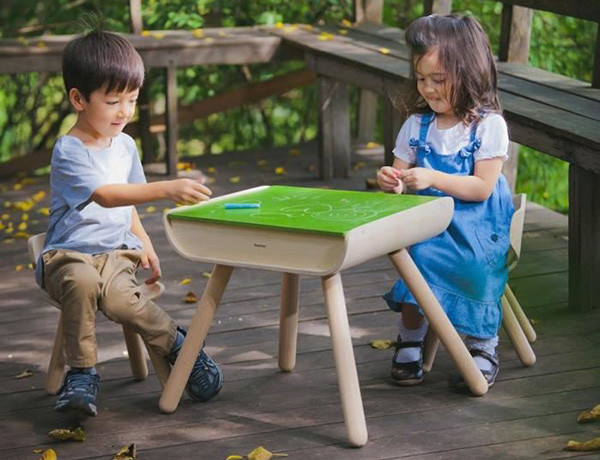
{"x": 514, "y": 321}
{"x": 133, "y": 341}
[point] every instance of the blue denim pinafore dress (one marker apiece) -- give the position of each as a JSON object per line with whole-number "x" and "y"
{"x": 465, "y": 265}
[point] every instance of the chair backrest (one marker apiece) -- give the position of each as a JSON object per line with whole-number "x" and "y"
{"x": 35, "y": 244}
{"x": 516, "y": 230}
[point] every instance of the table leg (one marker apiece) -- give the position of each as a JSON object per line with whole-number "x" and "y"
{"x": 345, "y": 364}
{"x": 288, "y": 321}
{"x": 439, "y": 322}
{"x": 196, "y": 335}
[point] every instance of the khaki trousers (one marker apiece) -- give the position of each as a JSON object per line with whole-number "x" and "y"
{"x": 83, "y": 283}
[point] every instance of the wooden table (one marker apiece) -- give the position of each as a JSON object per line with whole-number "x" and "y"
{"x": 316, "y": 232}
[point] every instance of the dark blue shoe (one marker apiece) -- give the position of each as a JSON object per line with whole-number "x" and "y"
{"x": 77, "y": 395}
{"x": 206, "y": 379}
{"x": 411, "y": 373}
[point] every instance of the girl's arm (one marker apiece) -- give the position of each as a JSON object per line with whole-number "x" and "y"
{"x": 477, "y": 187}
{"x": 149, "y": 257}
{"x": 388, "y": 177}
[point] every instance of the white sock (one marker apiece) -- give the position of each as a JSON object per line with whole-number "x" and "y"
{"x": 408, "y": 355}
{"x": 487, "y": 345}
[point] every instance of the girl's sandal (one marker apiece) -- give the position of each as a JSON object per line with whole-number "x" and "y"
{"x": 411, "y": 373}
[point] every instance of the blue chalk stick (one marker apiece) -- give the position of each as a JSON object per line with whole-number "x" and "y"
{"x": 242, "y": 205}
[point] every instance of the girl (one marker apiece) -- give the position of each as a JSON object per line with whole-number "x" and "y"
{"x": 454, "y": 144}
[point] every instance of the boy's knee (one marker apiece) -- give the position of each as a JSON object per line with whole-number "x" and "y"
{"x": 122, "y": 304}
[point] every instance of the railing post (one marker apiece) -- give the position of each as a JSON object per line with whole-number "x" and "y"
{"x": 441, "y": 7}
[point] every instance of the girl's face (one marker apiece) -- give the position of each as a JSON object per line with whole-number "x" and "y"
{"x": 433, "y": 84}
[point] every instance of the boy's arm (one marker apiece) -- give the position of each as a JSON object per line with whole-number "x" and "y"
{"x": 185, "y": 191}
{"x": 149, "y": 257}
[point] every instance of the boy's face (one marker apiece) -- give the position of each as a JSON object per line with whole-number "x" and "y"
{"x": 104, "y": 115}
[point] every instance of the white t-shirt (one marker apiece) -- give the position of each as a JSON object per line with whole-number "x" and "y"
{"x": 492, "y": 131}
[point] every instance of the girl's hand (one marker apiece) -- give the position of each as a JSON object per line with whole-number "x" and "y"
{"x": 417, "y": 178}
{"x": 388, "y": 179}
{"x": 187, "y": 191}
{"x": 149, "y": 260}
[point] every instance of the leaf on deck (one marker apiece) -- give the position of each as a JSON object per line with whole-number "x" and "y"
{"x": 190, "y": 297}
{"x": 589, "y": 415}
{"x": 47, "y": 454}
{"x": 382, "y": 344}
{"x": 587, "y": 446}
{"x": 126, "y": 453}
{"x": 26, "y": 373}
{"x": 66, "y": 434}
{"x": 260, "y": 453}
{"x": 185, "y": 281}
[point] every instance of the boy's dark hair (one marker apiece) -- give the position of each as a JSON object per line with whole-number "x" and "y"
{"x": 101, "y": 59}
{"x": 466, "y": 57}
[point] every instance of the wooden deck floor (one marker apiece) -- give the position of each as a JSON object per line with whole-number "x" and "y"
{"x": 530, "y": 413}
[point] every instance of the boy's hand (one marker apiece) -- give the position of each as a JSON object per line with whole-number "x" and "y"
{"x": 187, "y": 191}
{"x": 150, "y": 261}
{"x": 417, "y": 178}
{"x": 388, "y": 179}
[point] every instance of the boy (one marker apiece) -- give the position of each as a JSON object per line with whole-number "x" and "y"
{"x": 95, "y": 239}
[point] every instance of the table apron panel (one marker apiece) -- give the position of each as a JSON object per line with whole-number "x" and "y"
{"x": 257, "y": 247}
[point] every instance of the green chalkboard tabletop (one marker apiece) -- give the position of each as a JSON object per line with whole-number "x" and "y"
{"x": 303, "y": 209}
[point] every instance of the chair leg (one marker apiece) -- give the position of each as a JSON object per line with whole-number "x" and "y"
{"x": 516, "y": 334}
{"x": 432, "y": 342}
{"x": 161, "y": 366}
{"x": 520, "y": 314}
{"x": 288, "y": 321}
{"x": 57, "y": 363}
{"x": 137, "y": 360}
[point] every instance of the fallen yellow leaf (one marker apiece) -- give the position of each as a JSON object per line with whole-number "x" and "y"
{"x": 26, "y": 373}
{"x": 22, "y": 235}
{"x": 5, "y": 216}
{"x": 262, "y": 162}
{"x": 371, "y": 145}
{"x": 279, "y": 25}
{"x": 19, "y": 267}
{"x": 145, "y": 33}
{"x": 158, "y": 35}
{"x": 211, "y": 170}
{"x": 150, "y": 209}
{"x": 382, "y": 344}
{"x": 384, "y": 50}
{"x": 325, "y": 36}
{"x": 294, "y": 152}
{"x": 235, "y": 457}
{"x": 346, "y": 23}
{"x": 234, "y": 179}
{"x": 22, "y": 226}
{"x": 587, "y": 446}
{"x": 343, "y": 32}
{"x": 209, "y": 40}
{"x": 48, "y": 455}
{"x": 198, "y": 33}
{"x": 280, "y": 170}
{"x": 126, "y": 453}
{"x": 66, "y": 434}
{"x": 44, "y": 211}
{"x": 190, "y": 297}
{"x": 260, "y": 453}
{"x": 25, "y": 217}
{"x": 185, "y": 281}
{"x": 589, "y": 415}
{"x": 206, "y": 274}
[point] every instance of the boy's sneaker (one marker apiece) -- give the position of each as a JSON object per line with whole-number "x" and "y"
{"x": 206, "y": 379}
{"x": 78, "y": 393}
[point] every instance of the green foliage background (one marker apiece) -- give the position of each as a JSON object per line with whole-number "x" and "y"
{"x": 34, "y": 109}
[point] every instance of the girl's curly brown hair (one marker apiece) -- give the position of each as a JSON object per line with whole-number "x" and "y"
{"x": 466, "y": 57}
